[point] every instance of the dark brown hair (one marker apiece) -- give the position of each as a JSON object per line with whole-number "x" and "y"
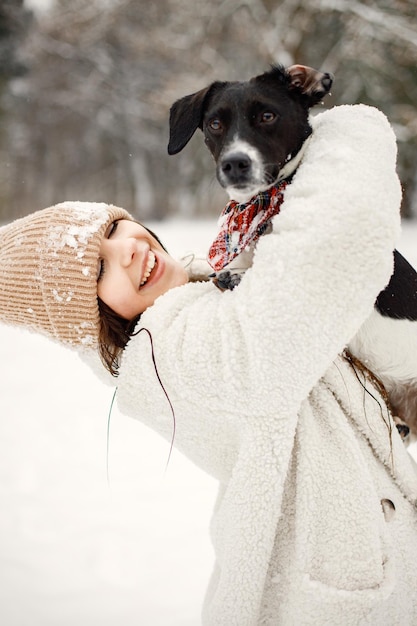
{"x": 115, "y": 332}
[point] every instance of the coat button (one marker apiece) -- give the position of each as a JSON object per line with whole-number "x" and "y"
{"x": 389, "y": 509}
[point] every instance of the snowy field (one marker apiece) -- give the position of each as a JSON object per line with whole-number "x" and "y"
{"x": 76, "y": 548}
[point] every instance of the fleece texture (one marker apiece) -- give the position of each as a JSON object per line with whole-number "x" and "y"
{"x": 266, "y": 403}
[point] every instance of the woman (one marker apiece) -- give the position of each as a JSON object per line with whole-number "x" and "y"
{"x": 316, "y": 518}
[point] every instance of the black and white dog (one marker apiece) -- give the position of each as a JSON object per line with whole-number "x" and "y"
{"x": 253, "y": 152}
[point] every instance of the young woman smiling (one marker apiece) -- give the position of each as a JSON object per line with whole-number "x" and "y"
{"x": 134, "y": 269}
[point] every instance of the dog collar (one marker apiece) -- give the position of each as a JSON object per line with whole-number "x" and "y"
{"x": 241, "y": 225}
{"x": 293, "y": 162}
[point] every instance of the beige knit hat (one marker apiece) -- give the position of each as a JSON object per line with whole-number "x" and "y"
{"x": 48, "y": 270}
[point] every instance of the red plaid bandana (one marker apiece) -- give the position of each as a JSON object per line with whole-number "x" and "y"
{"x": 242, "y": 224}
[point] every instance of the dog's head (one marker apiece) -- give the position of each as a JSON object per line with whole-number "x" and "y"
{"x": 254, "y": 129}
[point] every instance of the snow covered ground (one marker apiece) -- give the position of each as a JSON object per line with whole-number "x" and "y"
{"x": 76, "y": 549}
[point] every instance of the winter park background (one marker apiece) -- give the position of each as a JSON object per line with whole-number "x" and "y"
{"x": 85, "y": 91}
{"x": 74, "y": 548}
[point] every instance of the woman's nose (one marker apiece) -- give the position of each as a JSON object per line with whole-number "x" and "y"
{"x": 127, "y": 250}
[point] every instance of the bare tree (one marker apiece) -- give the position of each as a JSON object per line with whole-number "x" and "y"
{"x": 90, "y": 120}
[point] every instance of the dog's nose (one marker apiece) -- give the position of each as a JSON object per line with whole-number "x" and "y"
{"x": 236, "y": 166}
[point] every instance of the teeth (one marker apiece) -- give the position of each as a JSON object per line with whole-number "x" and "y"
{"x": 149, "y": 267}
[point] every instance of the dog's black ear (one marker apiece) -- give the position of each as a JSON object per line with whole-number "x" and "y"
{"x": 186, "y": 115}
{"x": 310, "y": 82}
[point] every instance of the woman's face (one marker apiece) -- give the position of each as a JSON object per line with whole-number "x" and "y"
{"x": 134, "y": 269}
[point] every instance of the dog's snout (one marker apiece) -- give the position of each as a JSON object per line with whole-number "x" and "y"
{"x": 236, "y": 166}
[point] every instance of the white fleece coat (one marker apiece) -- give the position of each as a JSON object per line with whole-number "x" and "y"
{"x": 264, "y": 402}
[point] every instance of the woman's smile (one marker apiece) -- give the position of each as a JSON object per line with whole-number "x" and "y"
{"x": 134, "y": 269}
{"x": 150, "y": 266}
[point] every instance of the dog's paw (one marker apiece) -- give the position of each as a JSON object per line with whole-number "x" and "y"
{"x": 226, "y": 280}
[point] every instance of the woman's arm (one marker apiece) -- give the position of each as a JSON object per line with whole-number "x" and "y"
{"x": 331, "y": 249}
{"x": 313, "y": 282}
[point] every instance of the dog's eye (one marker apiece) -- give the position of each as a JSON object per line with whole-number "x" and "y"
{"x": 268, "y": 117}
{"x": 215, "y": 124}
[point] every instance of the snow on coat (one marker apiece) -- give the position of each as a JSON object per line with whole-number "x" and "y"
{"x": 265, "y": 401}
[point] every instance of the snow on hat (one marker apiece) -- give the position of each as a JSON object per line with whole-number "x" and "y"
{"x": 48, "y": 270}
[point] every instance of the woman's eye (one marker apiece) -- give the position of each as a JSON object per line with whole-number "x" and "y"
{"x": 111, "y": 229}
{"x": 268, "y": 117}
{"x": 215, "y": 124}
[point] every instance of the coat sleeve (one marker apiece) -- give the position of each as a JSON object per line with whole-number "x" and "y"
{"x": 313, "y": 282}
